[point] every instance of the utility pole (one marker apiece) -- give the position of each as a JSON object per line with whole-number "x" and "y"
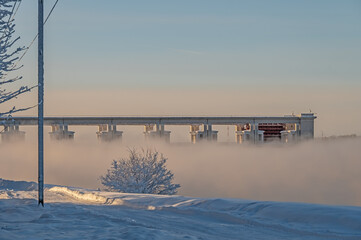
{"x": 41, "y": 102}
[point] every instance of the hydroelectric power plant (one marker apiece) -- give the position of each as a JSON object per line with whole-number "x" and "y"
{"x": 289, "y": 128}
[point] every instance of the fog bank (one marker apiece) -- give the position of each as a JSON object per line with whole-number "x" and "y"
{"x": 317, "y": 171}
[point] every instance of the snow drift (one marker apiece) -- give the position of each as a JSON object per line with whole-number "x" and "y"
{"x": 71, "y": 213}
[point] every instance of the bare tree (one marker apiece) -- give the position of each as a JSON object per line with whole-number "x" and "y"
{"x": 143, "y": 172}
{"x": 9, "y": 55}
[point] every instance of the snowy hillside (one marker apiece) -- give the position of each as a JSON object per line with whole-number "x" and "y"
{"x": 75, "y": 213}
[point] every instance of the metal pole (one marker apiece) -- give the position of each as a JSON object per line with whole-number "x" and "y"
{"x": 41, "y": 102}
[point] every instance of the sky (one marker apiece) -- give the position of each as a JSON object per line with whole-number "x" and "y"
{"x": 240, "y": 57}
{"x": 176, "y": 43}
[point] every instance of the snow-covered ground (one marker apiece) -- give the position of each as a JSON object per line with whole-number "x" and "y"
{"x": 76, "y": 213}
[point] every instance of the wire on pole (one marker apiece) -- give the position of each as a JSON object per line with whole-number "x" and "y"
{"x": 14, "y": 13}
{"x": 36, "y": 36}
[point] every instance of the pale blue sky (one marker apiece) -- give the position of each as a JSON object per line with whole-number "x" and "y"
{"x": 229, "y": 43}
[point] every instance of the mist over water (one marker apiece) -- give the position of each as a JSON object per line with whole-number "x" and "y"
{"x": 324, "y": 172}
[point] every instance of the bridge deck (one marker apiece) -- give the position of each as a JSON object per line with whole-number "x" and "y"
{"x": 150, "y": 120}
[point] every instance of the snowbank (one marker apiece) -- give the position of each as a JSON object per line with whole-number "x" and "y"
{"x": 94, "y": 214}
{"x": 17, "y": 185}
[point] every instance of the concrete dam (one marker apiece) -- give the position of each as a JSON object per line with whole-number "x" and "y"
{"x": 288, "y": 128}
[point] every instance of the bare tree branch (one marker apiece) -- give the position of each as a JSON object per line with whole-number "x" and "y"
{"x": 9, "y": 54}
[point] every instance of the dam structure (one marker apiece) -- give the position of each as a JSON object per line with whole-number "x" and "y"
{"x": 288, "y": 128}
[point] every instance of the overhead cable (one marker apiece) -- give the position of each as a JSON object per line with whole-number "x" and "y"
{"x": 14, "y": 13}
{"x": 36, "y": 36}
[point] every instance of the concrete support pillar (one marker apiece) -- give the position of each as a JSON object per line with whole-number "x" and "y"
{"x": 247, "y": 136}
{"x": 260, "y": 136}
{"x": 245, "y": 133}
{"x": 212, "y": 135}
{"x": 284, "y": 136}
{"x": 162, "y": 127}
{"x": 288, "y": 136}
{"x": 194, "y": 129}
{"x": 291, "y": 133}
{"x": 156, "y": 127}
{"x": 307, "y": 126}
{"x": 298, "y": 130}
{"x": 207, "y": 133}
{"x": 205, "y": 130}
{"x": 108, "y": 133}
{"x": 238, "y": 133}
{"x": 148, "y": 128}
{"x": 12, "y": 133}
{"x": 61, "y": 132}
{"x": 255, "y": 133}
{"x": 156, "y": 132}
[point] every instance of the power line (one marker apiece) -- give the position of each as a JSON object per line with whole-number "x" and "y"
{"x": 12, "y": 11}
{"x": 13, "y": 16}
{"x": 36, "y": 36}
{"x": 51, "y": 11}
